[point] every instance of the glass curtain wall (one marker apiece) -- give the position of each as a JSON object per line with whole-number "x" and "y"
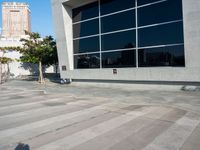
{"x": 128, "y": 33}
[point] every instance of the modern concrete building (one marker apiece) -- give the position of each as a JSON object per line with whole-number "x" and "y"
{"x": 15, "y": 19}
{"x": 128, "y": 40}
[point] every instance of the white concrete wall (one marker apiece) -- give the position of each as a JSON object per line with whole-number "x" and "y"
{"x": 191, "y": 73}
{"x": 18, "y": 68}
{"x": 63, "y": 29}
{"x": 10, "y": 42}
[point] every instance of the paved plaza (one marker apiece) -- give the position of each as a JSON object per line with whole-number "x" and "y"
{"x": 86, "y": 117}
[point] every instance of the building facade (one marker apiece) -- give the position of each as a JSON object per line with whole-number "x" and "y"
{"x": 134, "y": 40}
{"x": 15, "y": 19}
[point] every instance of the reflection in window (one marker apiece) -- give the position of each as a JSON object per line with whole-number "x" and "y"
{"x": 163, "y": 56}
{"x": 87, "y": 61}
{"x": 121, "y": 40}
{"x": 119, "y": 59}
{"x": 86, "y": 45}
{"x": 161, "y": 12}
{"x": 161, "y": 35}
{"x": 85, "y": 12}
{"x": 112, "y": 23}
{"x": 86, "y": 28}
{"x": 110, "y": 6}
{"x": 142, "y": 2}
{"x": 117, "y": 34}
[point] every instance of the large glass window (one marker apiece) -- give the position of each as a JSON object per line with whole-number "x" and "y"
{"x": 85, "y": 12}
{"x": 86, "y": 45}
{"x": 118, "y": 21}
{"x": 161, "y": 35}
{"x": 121, "y": 40}
{"x": 86, "y": 28}
{"x": 107, "y": 37}
{"x": 87, "y": 61}
{"x": 162, "y": 56}
{"x": 161, "y": 12}
{"x": 119, "y": 59}
{"x": 110, "y": 6}
{"x": 143, "y": 2}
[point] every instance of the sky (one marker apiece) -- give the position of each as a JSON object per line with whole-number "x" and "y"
{"x": 41, "y": 16}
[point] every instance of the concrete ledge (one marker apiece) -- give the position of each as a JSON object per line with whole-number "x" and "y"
{"x": 139, "y": 82}
{"x": 139, "y": 85}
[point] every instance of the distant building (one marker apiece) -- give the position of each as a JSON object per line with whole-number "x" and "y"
{"x": 15, "y": 19}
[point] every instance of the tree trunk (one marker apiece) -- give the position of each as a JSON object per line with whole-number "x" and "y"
{"x": 41, "y": 77}
{"x": 0, "y": 73}
{"x": 56, "y": 69}
{"x": 8, "y": 72}
{"x": 1, "y": 68}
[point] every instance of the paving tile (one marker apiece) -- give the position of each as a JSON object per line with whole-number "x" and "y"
{"x": 68, "y": 130}
{"x": 111, "y": 138}
{"x": 40, "y": 127}
{"x": 146, "y": 135}
{"x": 72, "y": 117}
{"x": 175, "y": 136}
{"x": 95, "y": 131}
{"x": 193, "y": 142}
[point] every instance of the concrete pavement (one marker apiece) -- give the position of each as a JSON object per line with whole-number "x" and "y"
{"x": 87, "y": 117}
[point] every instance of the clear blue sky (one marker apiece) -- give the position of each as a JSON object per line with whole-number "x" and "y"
{"x": 41, "y": 15}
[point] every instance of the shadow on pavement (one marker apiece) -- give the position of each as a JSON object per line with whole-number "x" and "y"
{"x": 52, "y": 77}
{"x": 22, "y": 146}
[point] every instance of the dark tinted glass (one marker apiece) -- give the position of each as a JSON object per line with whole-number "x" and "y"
{"x": 119, "y": 59}
{"x": 161, "y": 12}
{"x": 86, "y": 45}
{"x": 160, "y": 35}
{"x": 163, "y": 56}
{"x": 85, "y": 12}
{"x": 119, "y": 21}
{"x": 86, "y": 28}
{"x": 110, "y": 6}
{"x": 87, "y": 61}
{"x": 121, "y": 40}
{"x": 142, "y": 2}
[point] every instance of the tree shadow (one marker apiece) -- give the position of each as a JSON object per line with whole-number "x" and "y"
{"x": 34, "y": 73}
{"x": 22, "y": 146}
{"x": 32, "y": 68}
{"x": 52, "y": 77}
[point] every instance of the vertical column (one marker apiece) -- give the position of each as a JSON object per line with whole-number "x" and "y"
{"x": 136, "y": 27}
{"x": 99, "y": 3}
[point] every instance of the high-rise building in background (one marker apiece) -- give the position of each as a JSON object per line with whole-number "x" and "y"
{"x": 15, "y": 19}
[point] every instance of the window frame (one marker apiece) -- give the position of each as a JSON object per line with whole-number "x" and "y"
{"x": 136, "y": 28}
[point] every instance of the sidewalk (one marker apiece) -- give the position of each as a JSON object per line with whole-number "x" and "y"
{"x": 88, "y": 117}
